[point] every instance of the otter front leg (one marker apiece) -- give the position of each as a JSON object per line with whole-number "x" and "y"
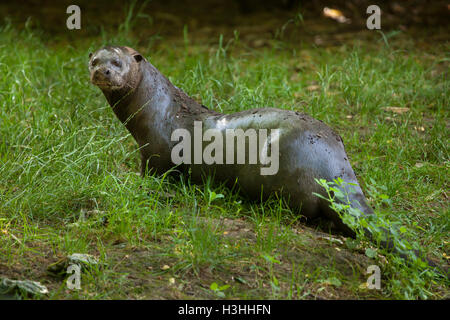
{"x": 154, "y": 164}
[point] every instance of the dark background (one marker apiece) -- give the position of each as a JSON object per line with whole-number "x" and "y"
{"x": 207, "y": 19}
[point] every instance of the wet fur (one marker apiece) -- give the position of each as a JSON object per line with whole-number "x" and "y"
{"x": 151, "y": 108}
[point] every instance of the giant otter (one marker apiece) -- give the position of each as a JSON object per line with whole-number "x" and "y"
{"x": 152, "y": 108}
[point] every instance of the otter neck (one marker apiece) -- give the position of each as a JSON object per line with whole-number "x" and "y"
{"x": 150, "y": 111}
{"x": 119, "y": 100}
{"x": 145, "y": 109}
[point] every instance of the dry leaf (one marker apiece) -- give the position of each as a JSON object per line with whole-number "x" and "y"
{"x": 318, "y": 40}
{"x": 398, "y": 110}
{"x": 419, "y": 165}
{"x": 295, "y": 77}
{"x": 331, "y": 239}
{"x": 422, "y": 129}
{"x": 260, "y": 43}
{"x": 335, "y": 15}
{"x": 313, "y": 87}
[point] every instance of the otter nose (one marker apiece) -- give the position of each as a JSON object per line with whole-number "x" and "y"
{"x": 101, "y": 74}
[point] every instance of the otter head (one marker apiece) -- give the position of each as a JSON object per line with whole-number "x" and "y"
{"x": 115, "y": 69}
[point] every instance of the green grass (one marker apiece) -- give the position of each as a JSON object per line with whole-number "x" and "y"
{"x": 69, "y": 178}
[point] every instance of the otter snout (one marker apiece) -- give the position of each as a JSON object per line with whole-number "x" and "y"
{"x": 101, "y": 76}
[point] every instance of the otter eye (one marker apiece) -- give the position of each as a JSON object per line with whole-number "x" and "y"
{"x": 117, "y": 63}
{"x": 94, "y": 62}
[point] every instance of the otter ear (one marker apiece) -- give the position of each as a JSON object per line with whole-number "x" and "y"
{"x": 138, "y": 57}
{"x": 90, "y": 55}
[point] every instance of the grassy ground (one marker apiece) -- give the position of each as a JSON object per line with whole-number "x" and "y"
{"x": 69, "y": 178}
